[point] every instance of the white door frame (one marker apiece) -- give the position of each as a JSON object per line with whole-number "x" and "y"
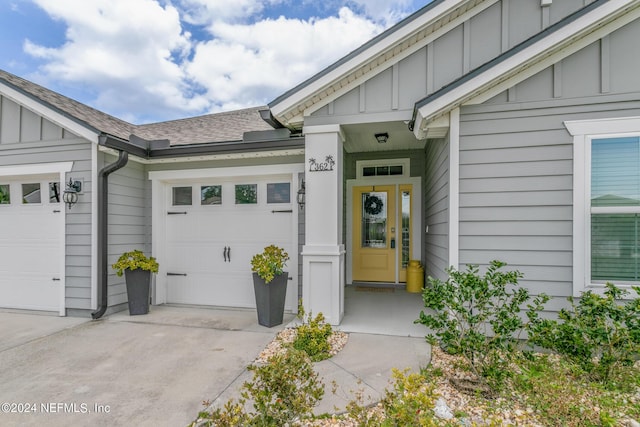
{"x": 416, "y": 215}
{"x": 161, "y": 179}
{"x": 60, "y": 169}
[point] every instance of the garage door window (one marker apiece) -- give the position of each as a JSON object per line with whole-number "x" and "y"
{"x": 31, "y": 193}
{"x": 246, "y": 194}
{"x": 279, "y": 192}
{"x": 211, "y": 195}
{"x": 5, "y": 194}
{"x": 182, "y": 196}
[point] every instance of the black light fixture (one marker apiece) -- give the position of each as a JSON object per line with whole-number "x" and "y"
{"x": 382, "y": 137}
{"x": 301, "y": 196}
{"x": 70, "y": 195}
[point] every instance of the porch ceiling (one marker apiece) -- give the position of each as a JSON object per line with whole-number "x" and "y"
{"x": 360, "y": 137}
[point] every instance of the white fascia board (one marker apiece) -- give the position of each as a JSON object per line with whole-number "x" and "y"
{"x": 474, "y": 88}
{"x": 36, "y": 169}
{"x": 618, "y": 125}
{"x": 362, "y": 58}
{"x": 48, "y": 113}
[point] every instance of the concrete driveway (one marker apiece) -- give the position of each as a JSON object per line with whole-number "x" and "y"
{"x": 150, "y": 370}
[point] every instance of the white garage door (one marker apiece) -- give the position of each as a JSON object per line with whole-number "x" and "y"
{"x": 30, "y": 243}
{"x": 213, "y": 229}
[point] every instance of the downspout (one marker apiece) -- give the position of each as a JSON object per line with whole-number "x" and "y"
{"x": 103, "y": 228}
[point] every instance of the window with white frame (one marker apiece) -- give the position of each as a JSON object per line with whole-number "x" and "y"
{"x": 606, "y": 214}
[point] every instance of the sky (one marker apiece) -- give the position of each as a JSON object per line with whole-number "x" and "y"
{"x": 148, "y": 61}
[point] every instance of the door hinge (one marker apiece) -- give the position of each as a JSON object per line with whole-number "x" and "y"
{"x": 177, "y": 274}
{"x": 56, "y": 279}
{"x": 176, "y": 213}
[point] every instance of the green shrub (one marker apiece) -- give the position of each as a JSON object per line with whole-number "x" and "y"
{"x": 411, "y": 402}
{"x": 134, "y": 260}
{"x": 599, "y": 333}
{"x": 283, "y": 390}
{"x": 313, "y": 336}
{"x": 478, "y": 317}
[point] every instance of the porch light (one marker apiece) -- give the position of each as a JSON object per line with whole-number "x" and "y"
{"x": 382, "y": 137}
{"x": 300, "y": 197}
{"x": 70, "y": 195}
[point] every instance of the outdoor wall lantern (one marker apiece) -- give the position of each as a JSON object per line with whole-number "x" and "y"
{"x": 70, "y": 195}
{"x": 301, "y": 196}
{"x": 382, "y": 137}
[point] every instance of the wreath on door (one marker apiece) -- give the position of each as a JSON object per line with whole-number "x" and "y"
{"x": 373, "y": 205}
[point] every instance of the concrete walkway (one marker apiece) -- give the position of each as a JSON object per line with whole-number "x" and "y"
{"x": 157, "y": 369}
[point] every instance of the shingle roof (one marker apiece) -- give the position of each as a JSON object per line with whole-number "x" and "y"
{"x": 220, "y": 127}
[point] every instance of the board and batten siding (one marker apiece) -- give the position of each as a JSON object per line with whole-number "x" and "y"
{"x": 129, "y": 220}
{"x": 436, "y": 206}
{"x": 27, "y": 138}
{"x": 516, "y": 186}
{"x": 442, "y": 60}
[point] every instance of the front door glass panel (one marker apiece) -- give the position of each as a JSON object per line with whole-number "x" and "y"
{"x": 374, "y": 220}
{"x": 406, "y": 227}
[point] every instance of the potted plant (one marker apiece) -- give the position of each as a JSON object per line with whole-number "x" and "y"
{"x": 137, "y": 269}
{"x": 270, "y": 284}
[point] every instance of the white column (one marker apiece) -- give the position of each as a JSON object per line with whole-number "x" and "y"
{"x": 323, "y": 252}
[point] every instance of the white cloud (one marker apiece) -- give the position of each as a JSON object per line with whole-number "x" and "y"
{"x": 255, "y": 63}
{"x": 141, "y": 63}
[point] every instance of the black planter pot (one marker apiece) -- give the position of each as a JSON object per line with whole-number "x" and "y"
{"x": 138, "y": 286}
{"x": 270, "y": 299}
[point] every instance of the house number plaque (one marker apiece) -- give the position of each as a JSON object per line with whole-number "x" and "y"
{"x": 326, "y": 166}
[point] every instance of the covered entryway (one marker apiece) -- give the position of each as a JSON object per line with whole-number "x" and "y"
{"x": 213, "y": 227}
{"x": 383, "y": 222}
{"x": 31, "y": 241}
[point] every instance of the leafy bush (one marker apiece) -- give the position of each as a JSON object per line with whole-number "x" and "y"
{"x": 599, "y": 333}
{"x": 282, "y": 392}
{"x": 285, "y": 389}
{"x": 134, "y": 260}
{"x": 269, "y": 263}
{"x": 411, "y": 402}
{"x": 313, "y": 336}
{"x": 478, "y": 317}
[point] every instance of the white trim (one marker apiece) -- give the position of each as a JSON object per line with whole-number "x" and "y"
{"x": 583, "y": 132}
{"x": 61, "y": 169}
{"x": 416, "y": 214}
{"x": 454, "y": 188}
{"x": 530, "y": 60}
{"x": 51, "y": 115}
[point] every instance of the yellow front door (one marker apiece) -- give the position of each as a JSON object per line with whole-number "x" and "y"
{"x": 374, "y": 233}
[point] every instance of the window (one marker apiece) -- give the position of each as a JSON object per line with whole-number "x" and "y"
{"x": 615, "y": 209}
{"x": 182, "y": 196}
{"x": 382, "y": 168}
{"x": 279, "y": 193}
{"x": 211, "y": 195}
{"x": 5, "y": 194}
{"x": 606, "y": 202}
{"x": 246, "y": 194}
{"x": 31, "y": 193}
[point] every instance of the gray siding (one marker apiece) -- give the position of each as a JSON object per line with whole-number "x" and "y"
{"x": 26, "y": 138}
{"x": 129, "y": 219}
{"x": 436, "y": 202}
{"x": 464, "y": 48}
{"x": 516, "y": 187}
